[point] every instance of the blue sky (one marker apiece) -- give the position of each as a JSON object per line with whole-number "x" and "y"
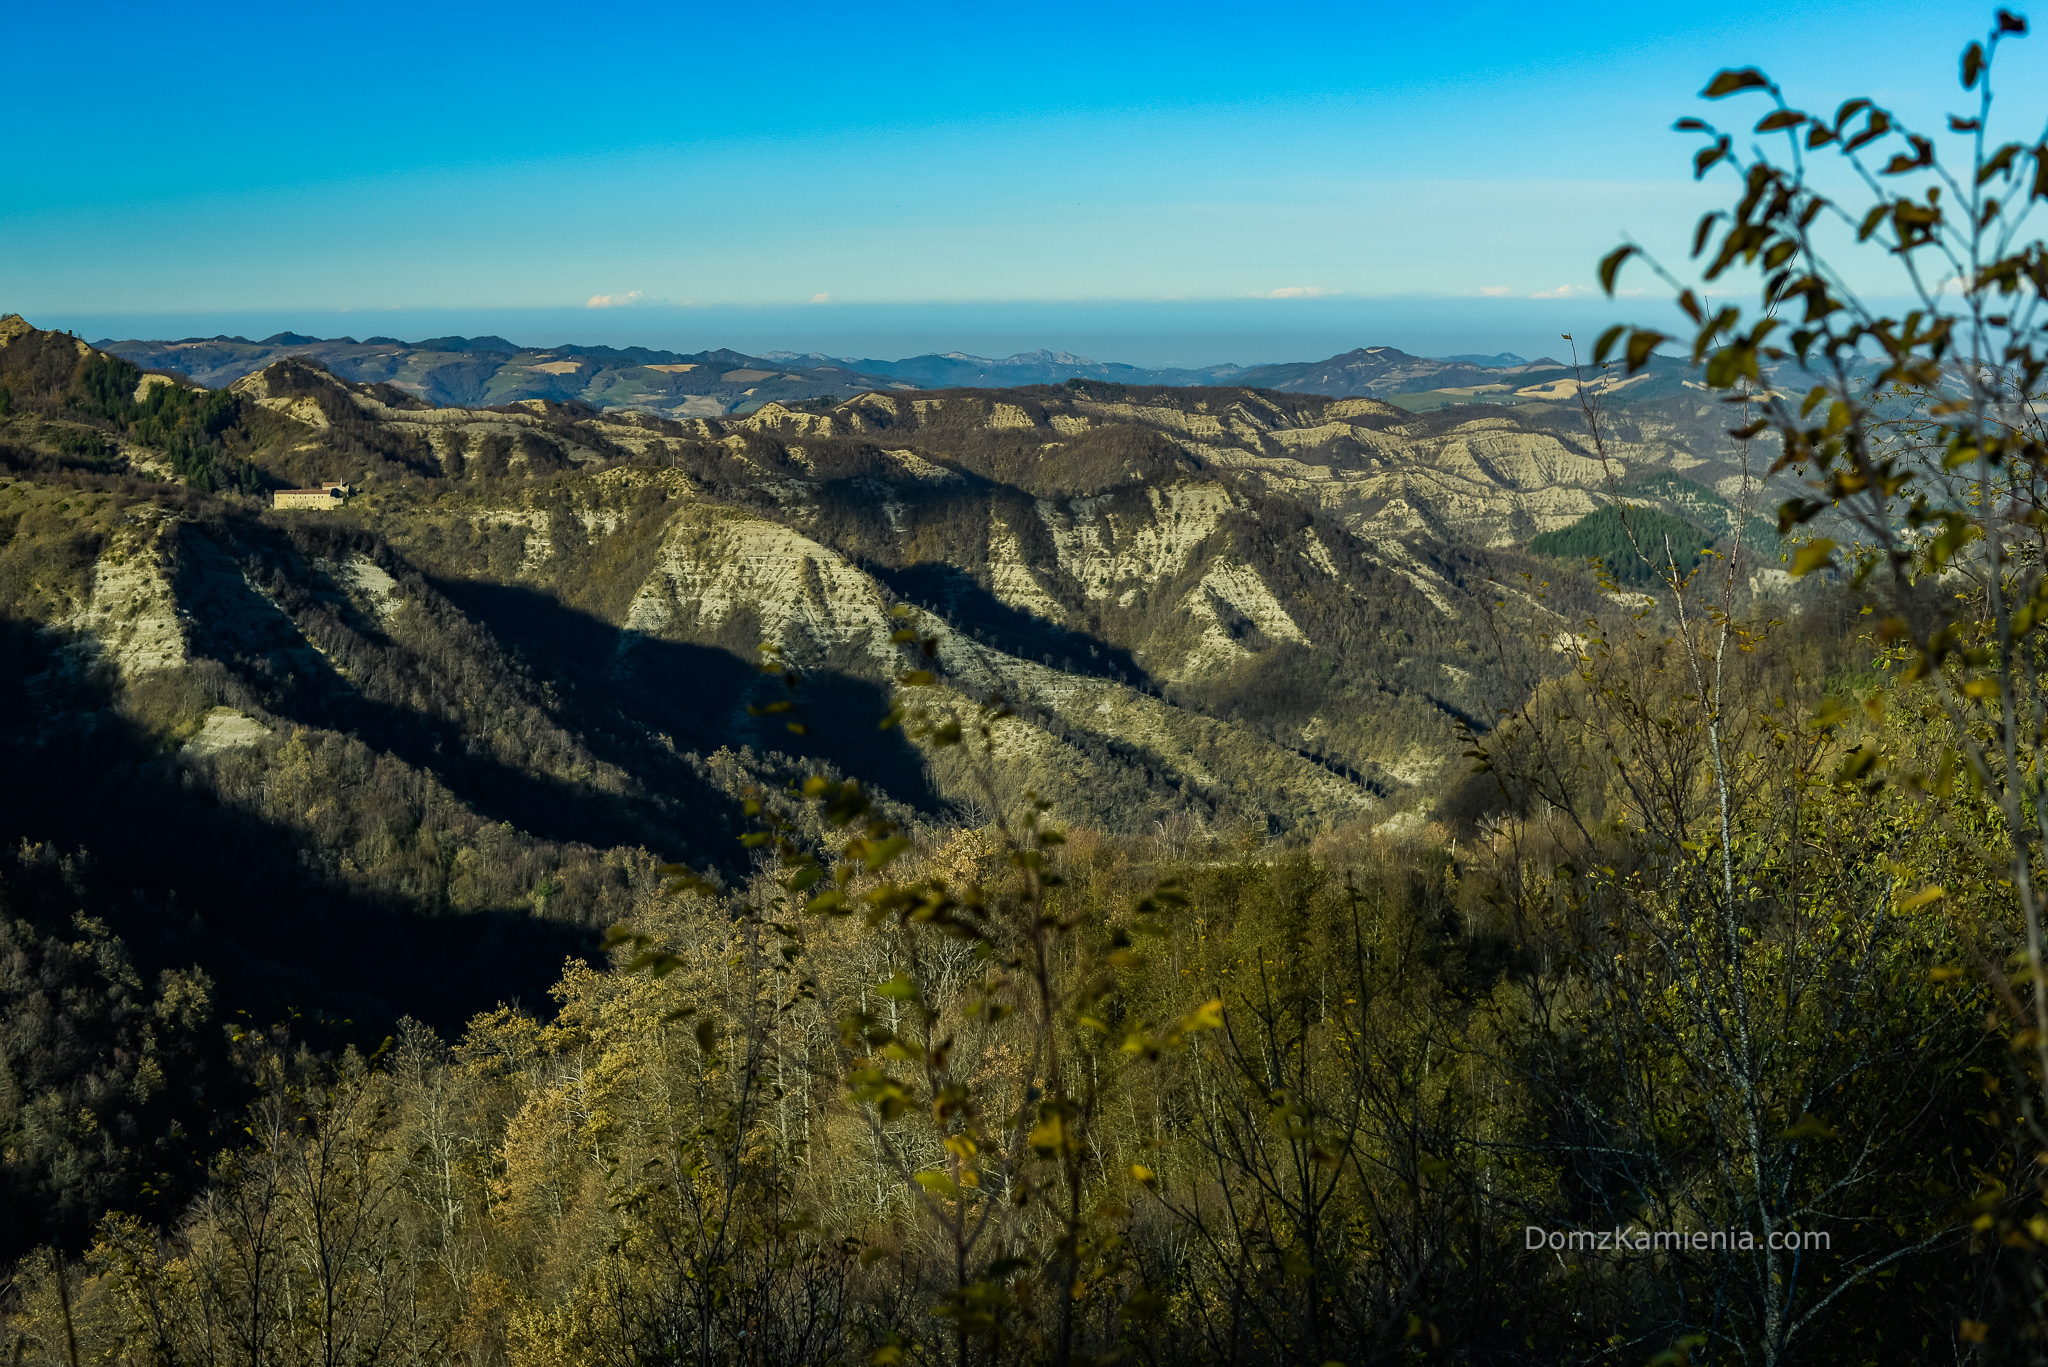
{"x": 1154, "y": 183}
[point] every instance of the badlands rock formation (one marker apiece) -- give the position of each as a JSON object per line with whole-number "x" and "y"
{"x": 1274, "y": 608}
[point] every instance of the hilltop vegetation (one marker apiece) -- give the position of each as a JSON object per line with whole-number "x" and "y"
{"x": 90, "y": 402}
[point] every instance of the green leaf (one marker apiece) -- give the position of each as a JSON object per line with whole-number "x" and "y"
{"x": 1726, "y": 83}
{"x": 901, "y": 988}
{"x": 1833, "y": 712}
{"x": 1879, "y": 125}
{"x": 1999, "y": 162}
{"x": 1641, "y": 343}
{"x": 1784, "y": 118}
{"x": 1923, "y": 155}
{"x": 1809, "y": 1127}
{"x": 883, "y": 852}
{"x": 938, "y": 1184}
{"x": 1705, "y": 229}
{"x": 1815, "y": 554}
{"x": 1704, "y": 160}
{"x": 1610, "y": 265}
{"x": 1973, "y": 65}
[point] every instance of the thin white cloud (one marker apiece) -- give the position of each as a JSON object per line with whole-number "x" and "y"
{"x": 1564, "y": 292}
{"x": 1496, "y": 291}
{"x": 822, "y": 298}
{"x": 616, "y": 301}
{"x": 1297, "y": 292}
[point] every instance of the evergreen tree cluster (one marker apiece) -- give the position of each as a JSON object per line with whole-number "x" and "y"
{"x": 1636, "y": 545}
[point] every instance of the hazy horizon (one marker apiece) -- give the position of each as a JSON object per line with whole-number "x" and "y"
{"x": 1152, "y": 334}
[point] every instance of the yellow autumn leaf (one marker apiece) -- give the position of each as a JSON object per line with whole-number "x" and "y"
{"x": 1933, "y": 892}
{"x": 1815, "y": 554}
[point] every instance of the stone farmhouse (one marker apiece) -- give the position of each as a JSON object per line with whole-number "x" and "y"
{"x": 329, "y": 495}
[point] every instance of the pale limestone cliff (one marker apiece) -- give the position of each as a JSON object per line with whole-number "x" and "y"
{"x": 132, "y": 620}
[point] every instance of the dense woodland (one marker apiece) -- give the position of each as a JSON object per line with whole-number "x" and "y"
{"x": 1636, "y": 548}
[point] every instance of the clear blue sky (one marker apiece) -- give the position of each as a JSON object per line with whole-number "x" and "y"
{"x": 882, "y": 179}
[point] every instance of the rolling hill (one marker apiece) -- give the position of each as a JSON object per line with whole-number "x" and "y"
{"x": 482, "y": 371}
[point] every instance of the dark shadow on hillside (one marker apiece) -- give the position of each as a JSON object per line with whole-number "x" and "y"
{"x": 953, "y": 594}
{"x": 184, "y": 879}
{"x": 251, "y": 902}
{"x": 623, "y": 690}
{"x": 677, "y": 814}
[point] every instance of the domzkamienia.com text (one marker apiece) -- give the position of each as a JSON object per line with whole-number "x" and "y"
{"x": 1628, "y": 1239}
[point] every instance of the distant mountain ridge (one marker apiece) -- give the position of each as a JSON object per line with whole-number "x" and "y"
{"x": 959, "y": 370}
{"x": 1365, "y": 371}
{"x": 483, "y": 372}
{"x": 489, "y": 371}
{"x": 1370, "y": 372}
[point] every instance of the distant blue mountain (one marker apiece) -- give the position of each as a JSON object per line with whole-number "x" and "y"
{"x": 1496, "y": 361}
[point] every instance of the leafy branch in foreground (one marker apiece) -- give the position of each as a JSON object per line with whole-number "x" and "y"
{"x": 1919, "y": 437}
{"x": 1003, "y": 1167}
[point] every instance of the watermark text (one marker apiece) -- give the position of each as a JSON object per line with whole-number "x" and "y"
{"x": 1631, "y": 1239}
